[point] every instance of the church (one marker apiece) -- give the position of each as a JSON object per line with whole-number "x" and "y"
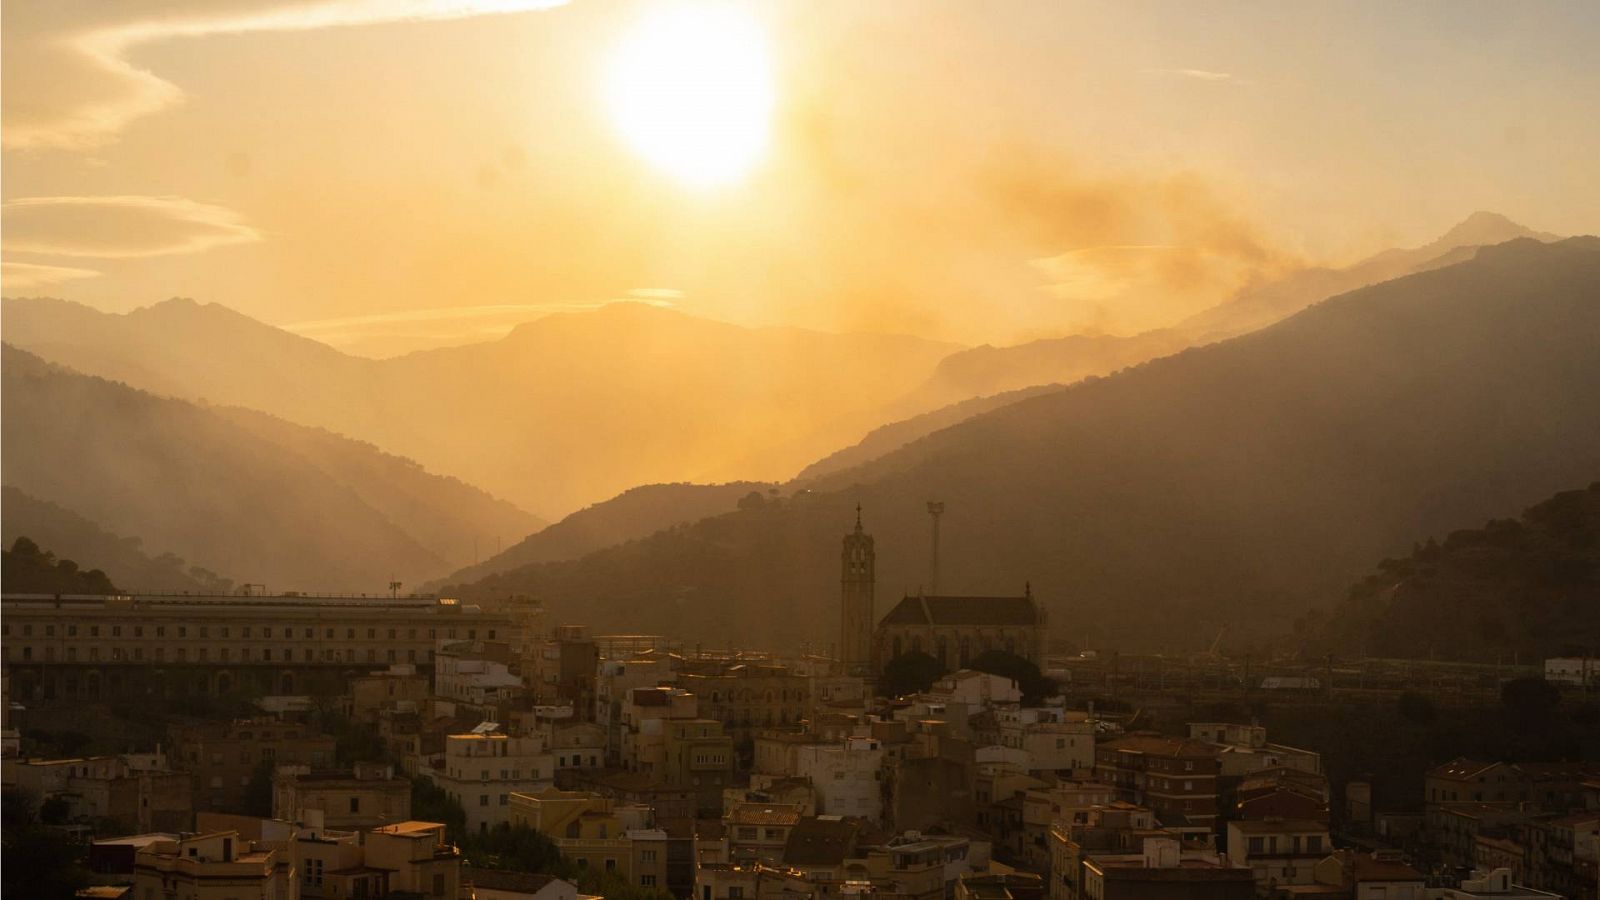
{"x": 953, "y": 630}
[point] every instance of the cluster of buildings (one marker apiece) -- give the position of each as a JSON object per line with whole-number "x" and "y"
{"x": 720, "y": 775}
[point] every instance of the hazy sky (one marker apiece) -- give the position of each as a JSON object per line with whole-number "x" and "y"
{"x": 383, "y": 172}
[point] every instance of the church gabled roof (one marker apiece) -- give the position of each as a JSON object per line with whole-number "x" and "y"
{"x": 964, "y": 611}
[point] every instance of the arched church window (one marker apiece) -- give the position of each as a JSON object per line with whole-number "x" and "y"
{"x": 916, "y": 644}
{"x": 966, "y": 649}
{"x": 897, "y": 649}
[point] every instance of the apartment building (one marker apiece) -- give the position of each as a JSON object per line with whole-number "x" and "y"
{"x": 1176, "y": 778}
{"x": 138, "y": 791}
{"x": 1164, "y": 870}
{"x": 597, "y": 832}
{"x": 1279, "y": 851}
{"x": 481, "y": 771}
{"x": 215, "y": 866}
{"x": 222, "y": 757}
{"x": 366, "y": 795}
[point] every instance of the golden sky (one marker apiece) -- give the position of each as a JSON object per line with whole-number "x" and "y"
{"x": 385, "y": 174}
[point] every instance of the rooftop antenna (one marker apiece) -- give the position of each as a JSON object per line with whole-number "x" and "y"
{"x": 935, "y": 510}
{"x": 394, "y": 589}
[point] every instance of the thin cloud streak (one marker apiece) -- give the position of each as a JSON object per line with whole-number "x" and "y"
{"x": 120, "y": 227}
{"x": 23, "y": 276}
{"x": 443, "y": 326}
{"x": 127, "y": 92}
{"x": 1198, "y": 74}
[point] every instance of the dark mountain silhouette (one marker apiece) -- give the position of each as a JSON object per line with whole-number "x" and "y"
{"x": 1528, "y": 586}
{"x": 1251, "y": 477}
{"x": 71, "y": 536}
{"x": 236, "y": 491}
{"x": 1261, "y": 306}
{"x": 563, "y": 410}
{"x": 633, "y": 514}
{"x": 970, "y": 381}
{"x": 888, "y": 438}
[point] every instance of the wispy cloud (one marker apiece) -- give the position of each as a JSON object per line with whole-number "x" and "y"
{"x": 439, "y": 326}
{"x": 1198, "y": 74}
{"x": 119, "y": 227}
{"x": 71, "y": 85}
{"x": 21, "y": 276}
{"x": 661, "y": 294}
{"x": 438, "y": 314}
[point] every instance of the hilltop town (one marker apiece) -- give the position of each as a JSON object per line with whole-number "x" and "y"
{"x": 946, "y": 746}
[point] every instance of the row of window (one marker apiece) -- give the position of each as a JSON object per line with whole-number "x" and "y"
{"x": 505, "y": 774}
{"x": 942, "y": 647}
{"x": 245, "y": 631}
{"x": 748, "y": 695}
{"x": 203, "y": 654}
{"x": 1269, "y": 844}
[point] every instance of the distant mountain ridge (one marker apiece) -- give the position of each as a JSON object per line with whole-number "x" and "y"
{"x": 1252, "y": 475}
{"x": 633, "y": 514}
{"x": 1262, "y": 306}
{"x": 561, "y": 411}
{"x": 234, "y": 491}
{"x": 981, "y": 378}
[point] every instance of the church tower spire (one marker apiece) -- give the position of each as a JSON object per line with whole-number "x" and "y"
{"x": 858, "y": 583}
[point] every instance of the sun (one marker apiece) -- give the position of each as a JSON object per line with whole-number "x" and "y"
{"x": 690, "y": 89}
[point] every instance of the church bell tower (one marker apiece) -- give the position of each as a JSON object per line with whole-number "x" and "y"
{"x": 858, "y": 581}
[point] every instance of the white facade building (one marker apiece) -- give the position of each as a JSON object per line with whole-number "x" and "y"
{"x": 1577, "y": 670}
{"x": 481, "y": 771}
{"x": 847, "y": 776}
{"x": 473, "y": 680}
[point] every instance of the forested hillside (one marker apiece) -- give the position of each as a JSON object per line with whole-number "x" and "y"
{"x": 1528, "y": 586}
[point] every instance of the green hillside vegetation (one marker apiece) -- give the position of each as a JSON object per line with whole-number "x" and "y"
{"x": 1528, "y": 587}
{"x": 70, "y": 534}
{"x": 1250, "y": 479}
{"x": 29, "y": 570}
{"x": 260, "y": 499}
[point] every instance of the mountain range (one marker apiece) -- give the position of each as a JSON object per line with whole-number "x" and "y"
{"x": 1245, "y": 479}
{"x": 576, "y": 407}
{"x": 235, "y": 492}
{"x": 986, "y": 377}
{"x": 563, "y": 411}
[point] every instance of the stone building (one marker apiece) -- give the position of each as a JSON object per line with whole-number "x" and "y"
{"x": 223, "y": 756}
{"x": 482, "y": 770}
{"x": 92, "y": 647}
{"x": 364, "y": 796}
{"x": 954, "y": 630}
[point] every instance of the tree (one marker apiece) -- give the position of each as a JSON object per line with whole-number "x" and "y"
{"x": 35, "y": 860}
{"x": 910, "y": 673}
{"x": 429, "y": 803}
{"x": 514, "y": 848}
{"x": 1035, "y": 686}
{"x": 1416, "y": 708}
{"x": 258, "y": 793}
{"x": 40, "y": 862}
{"x": 1529, "y": 700}
{"x": 55, "y": 811}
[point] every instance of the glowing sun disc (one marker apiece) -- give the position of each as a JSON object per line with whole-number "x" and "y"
{"x": 690, "y": 89}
